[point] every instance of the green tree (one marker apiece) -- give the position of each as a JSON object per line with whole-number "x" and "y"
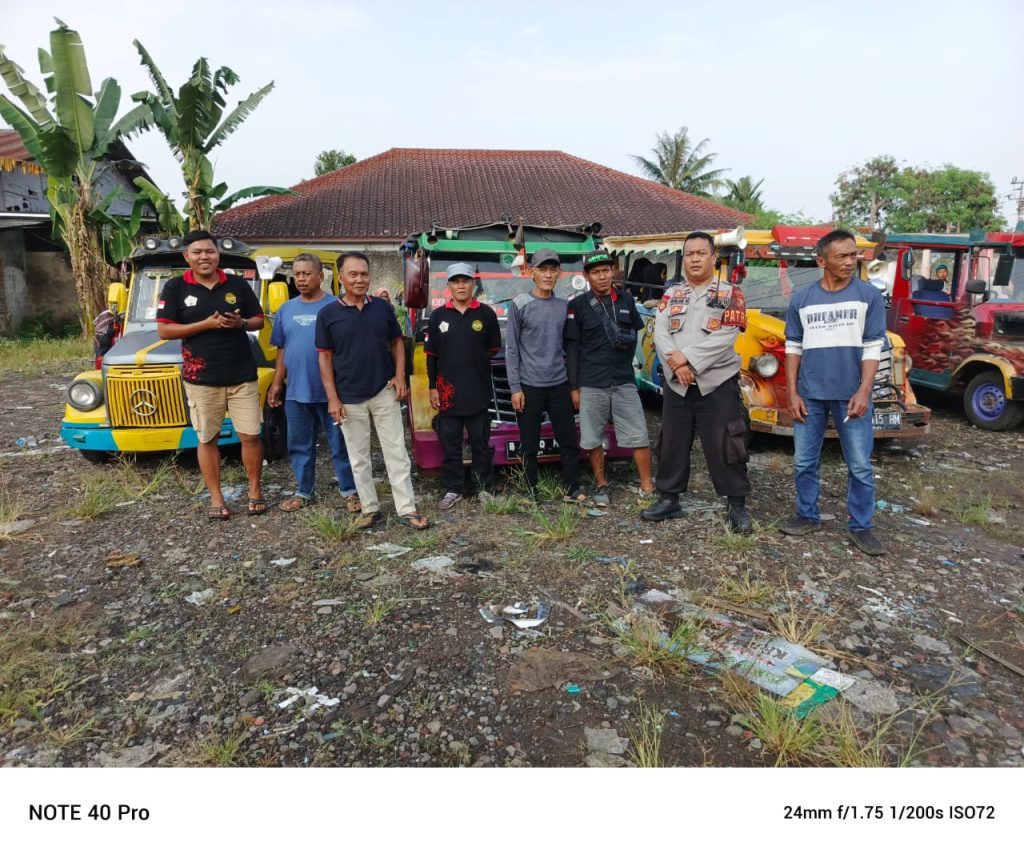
{"x": 744, "y": 194}
{"x": 866, "y": 194}
{"x": 332, "y": 159}
{"x": 681, "y": 165}
{"x": 193, "y": 124}
{"x": 948, "y": 199}
{"x": 69, "y": 132}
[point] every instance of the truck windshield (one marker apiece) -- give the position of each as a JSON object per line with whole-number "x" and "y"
{"x": 148, "y": 282}
{"x": 770, "y": 284}
{"x": 1011, "y": 292}
{"x": 499, "y": 283}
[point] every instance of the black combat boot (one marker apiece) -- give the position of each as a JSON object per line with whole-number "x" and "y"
{"x": 666, "y": 507}
{"x": 739, "y": 518}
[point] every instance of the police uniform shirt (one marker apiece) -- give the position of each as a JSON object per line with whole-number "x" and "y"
{"x": 221, "y": 357}
{"x": 703, "y": 323}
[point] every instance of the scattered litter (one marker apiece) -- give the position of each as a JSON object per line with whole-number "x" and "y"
{"x": 312, "y": 693}
{"x": 596, "y": 513}
{"x": 514, "y": 614}
{"x": 871, "y": 590}
{"x": 552, "y": 668}
{"x": 949, "y": 564}
{"x": 620, "y": 560}
{"x": 923, "y": 522}
{"x": 673, "y": 713}
{"x": 30, "y": 441}
{"x": 439, "y": 563}
{"x": 389, "y": 549}
{"x": 514, "y": 610}
{"x": 328, "y": 603}
{"x": 572, "y": 689}
{"x": 833, "y": 679}
{"x": 1009, "y": 665}
{"x": 117, "y": 560}
{"x": 827, "y": 516}
{"x": 14, "y": 527}
{"x": 201, "y": 597}
{"x": 655, "y": 597}
{"x": 234, "y": 609}
{"x": 647, "y": 542}
{"x": 283, "y": 561}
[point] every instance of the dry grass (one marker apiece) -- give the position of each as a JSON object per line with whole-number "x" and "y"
{"x": 645, "y": 739}
{"x": 648, "y": 645}
{"x": 742, "y": 590}
{"x": 378, "y": 609}
{"x": 792, "y": 740}
{"x": 44, "y": 355}
{"x": 11, "y": 509}
{"x": 214, "y": 751}
{"x": 331, "y": 527}
{"x": 554, "y": 528}
{"x": 99, "y": 495}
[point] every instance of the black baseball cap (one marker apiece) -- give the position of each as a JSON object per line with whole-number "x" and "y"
{"x": 597, "y": 257}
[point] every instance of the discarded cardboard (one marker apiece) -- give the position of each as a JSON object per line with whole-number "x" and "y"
{"x": 552, "y": 668}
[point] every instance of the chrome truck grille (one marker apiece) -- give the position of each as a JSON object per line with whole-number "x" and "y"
{"x": 145, "y": 397}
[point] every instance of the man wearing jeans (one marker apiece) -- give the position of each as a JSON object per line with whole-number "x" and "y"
{"x": 835, "y": 330}
{"x": 362, "y": 366}
{"x": 537, "y": 374}
{"x": 305, "y": 403}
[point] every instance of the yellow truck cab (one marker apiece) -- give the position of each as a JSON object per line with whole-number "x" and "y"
{"x": 770, "y": 266}
{"x": 134, "y": 400}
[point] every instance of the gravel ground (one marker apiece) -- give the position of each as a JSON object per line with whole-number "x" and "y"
{"x": 142, "y": 634}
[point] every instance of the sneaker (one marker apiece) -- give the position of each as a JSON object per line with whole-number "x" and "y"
{"x": 867, "y": 542}
{"x": 798, "y": 526}
{"x": 449, "y": 500}
{"x": 739, "y": 518}
{"x": 602, "y": 497}
{"x": 666, "y": 507}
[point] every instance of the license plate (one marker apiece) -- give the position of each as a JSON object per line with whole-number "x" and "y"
{"x": 887, "y": 421}
{"x": 514, "y": 449}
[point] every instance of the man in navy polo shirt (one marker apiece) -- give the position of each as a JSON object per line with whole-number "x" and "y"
{"x": 211, "y": 312}
{"x": 462, "y": 336}
{"x": 297, "y": 374}
{"x": 362, "y": 366}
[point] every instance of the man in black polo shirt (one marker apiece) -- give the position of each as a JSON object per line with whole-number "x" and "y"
{"x": 211, "y": 312}
{"x": 362, "y": 366}
{"x": 461, "y": 338}
{"x": 600, "y": 341}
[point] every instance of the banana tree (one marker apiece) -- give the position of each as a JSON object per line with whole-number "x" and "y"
{"x": 69, "y": 131}
{"x": 193, "y": 124}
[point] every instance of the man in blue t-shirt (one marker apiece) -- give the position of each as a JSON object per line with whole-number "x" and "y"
{"x": 298, "y": 373}
{"x": 835, "y": 330}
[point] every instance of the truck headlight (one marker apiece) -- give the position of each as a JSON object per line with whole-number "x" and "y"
{"x": 765, "y": 365}
{"x": 84, "y": 395}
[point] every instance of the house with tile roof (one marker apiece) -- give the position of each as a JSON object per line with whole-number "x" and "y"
{"x": 374, "y": 204}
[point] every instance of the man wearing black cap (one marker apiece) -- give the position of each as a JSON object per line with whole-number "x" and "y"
{"x": 601, "y": 339}
{"x": 537, "y": 374}
{"x": 211, "y": 312}
{"x": 462, "y": 336}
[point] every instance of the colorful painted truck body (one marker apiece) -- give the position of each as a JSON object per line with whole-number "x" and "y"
{"x": 771, "y": 266}
{"x": 965, "y": 334}
{"x": 499, "y": 253}
{"x": 134, "y": 401}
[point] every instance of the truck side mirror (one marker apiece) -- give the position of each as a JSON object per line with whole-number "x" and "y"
{"x": 976, "y": 287}
{"x": 907, "y": 263}
{"x": 278, "y": 295}
{"x": 117, "y": 299}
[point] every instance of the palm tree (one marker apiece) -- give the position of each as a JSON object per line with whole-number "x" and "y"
{"x": 681, "y": 165}
{"x": 744, "y": 194}
{"x": 69, "y": 133}
{"x": 193, "y": 124}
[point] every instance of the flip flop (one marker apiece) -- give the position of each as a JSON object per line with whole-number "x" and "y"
{"x": 257, "y": 506}
{"x": 291, "y": 504}
{"x": 352, "y": 504}
{"x": 218, "y": 513}
{"x": 415, "y": 521}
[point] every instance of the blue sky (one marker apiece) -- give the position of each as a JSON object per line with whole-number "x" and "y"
{"x": 789, "y": 92}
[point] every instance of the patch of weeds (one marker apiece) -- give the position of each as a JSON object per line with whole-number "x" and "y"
{"x": 579, "y": 554}
{"x": 38, "y": 356}
{"x": 798, "y": 627}
{"x": 33, "y": 670}
{"x": 373, "y": 741}
{"x": 735, "y": 543}
{"x": 327, "y": 525}
{"x": 972, "y": 510}
{"x": 744, "y": 591}
{"x": 424, "y": 540}
{"x": 214, "y": 751}
{"x": 138, "y": 483}
{"x": 11, "y": 509}
{"x": 421, "y": 704}
{"x": 506, "y": 505}
{"x": 781, "y": 732}
{"x": 549, "y": 486}
{"x": 139, "y": 634}
{"x": 645, "y": 739}
{"x": 99, "y": 496}
{"x": 377, "y": 610}
{"x": 888, "y": 741}
{"x": 71, "y": 734}
{"x": 648, "y": 645}
{"x": 553, "y": 528}
{"x": 233, "y": 474}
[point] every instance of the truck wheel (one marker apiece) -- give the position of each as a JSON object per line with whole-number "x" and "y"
{"x": 986, "y": 405}
{"x": 275, "y": 433}
{"x": 97, "y": 457}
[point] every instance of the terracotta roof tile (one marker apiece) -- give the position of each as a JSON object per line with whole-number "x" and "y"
{"x": 400, "y": 191}
{"x": 12, "y": 147}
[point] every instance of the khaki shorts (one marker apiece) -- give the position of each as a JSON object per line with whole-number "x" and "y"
{"x": 208, "y": 405}
{"x": 621, "y": 406}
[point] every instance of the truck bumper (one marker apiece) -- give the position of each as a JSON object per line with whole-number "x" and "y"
{"x": 106, "y": 439}
{"x": 916, "y": 423}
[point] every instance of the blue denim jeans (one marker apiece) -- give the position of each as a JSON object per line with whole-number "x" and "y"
{"x": 303, "y": 429}
{"x": 857, "y": 439}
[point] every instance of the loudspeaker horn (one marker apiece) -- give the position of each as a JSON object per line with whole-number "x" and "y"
{"x": 734, "y": 238}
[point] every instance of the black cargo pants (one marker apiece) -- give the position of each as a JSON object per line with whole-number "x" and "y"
{"x": 720, "y": 421}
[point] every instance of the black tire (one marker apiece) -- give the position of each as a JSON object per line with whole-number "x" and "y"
{"x": 275, "y": 433}
{"x": 986, "y": 405}
{"x": 97, "y": 457}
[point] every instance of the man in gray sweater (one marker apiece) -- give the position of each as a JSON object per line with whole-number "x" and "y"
{"x": 537, "y": 374}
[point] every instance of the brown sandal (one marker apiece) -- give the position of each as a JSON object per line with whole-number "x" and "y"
{"x": 293, "y": 503}
{"x": 219, "y": 513}
{"x": 352, "y": 504}
{"x": 415, "y": 521}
